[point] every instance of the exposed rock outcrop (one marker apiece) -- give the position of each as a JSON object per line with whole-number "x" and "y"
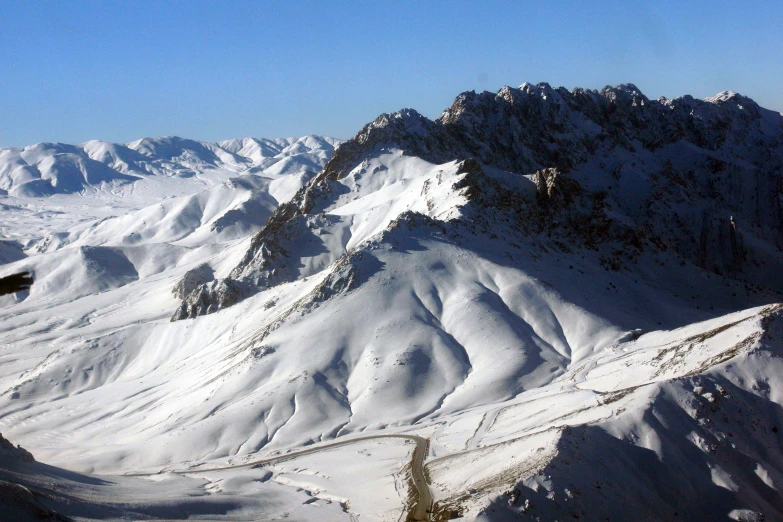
{"x": 9, "y": 451}
{"x": 192, "y": 279}
{"x": 211, "y": 297}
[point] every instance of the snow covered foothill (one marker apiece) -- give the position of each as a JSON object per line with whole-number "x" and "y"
{"x": 568, "y": 295}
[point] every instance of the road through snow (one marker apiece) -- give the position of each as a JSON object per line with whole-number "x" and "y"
{"x": 423, "y": 502}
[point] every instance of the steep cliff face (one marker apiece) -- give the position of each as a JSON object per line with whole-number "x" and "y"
{"x": 612, "y": 170}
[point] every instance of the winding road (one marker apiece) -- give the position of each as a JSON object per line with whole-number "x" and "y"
{"x": 423, "y": 499}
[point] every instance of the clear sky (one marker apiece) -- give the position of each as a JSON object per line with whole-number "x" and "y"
{"x": 78, "y": 70}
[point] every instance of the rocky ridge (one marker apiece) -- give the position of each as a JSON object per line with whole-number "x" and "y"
{"x": 613, "y": 171}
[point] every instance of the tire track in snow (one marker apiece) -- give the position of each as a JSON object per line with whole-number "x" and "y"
{"x": 484, "y": 426}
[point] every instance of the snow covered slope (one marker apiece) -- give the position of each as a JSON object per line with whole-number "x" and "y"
{"x": 569, "y": 295}
{"x": 43, "y": 200}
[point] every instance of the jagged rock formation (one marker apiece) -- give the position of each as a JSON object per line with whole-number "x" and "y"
{"x": 613, "y": 170}
{"x": 210, "y": 297}
{"x": 192, "y": 279}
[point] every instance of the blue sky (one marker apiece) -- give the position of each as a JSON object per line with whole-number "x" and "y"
{"x": 117, "y": 71}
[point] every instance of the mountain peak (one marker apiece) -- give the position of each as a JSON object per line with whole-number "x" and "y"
{"x": 731, "y": 97}
{"x": 626, "y": 92}
{"x": 409, "y": 119}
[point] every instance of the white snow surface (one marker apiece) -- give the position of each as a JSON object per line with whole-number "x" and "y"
{"x": 534, "y": 375}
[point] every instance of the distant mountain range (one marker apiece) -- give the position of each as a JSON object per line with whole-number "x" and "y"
{"x": 57, "y": 168}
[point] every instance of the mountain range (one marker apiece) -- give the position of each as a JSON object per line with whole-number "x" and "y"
{"x": 543, "y": 305}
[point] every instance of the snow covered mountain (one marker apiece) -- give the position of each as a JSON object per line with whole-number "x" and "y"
{"x": 614, "y": 172}
{"x": 545, "y": 304}
{"x": 56, "y": 168}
